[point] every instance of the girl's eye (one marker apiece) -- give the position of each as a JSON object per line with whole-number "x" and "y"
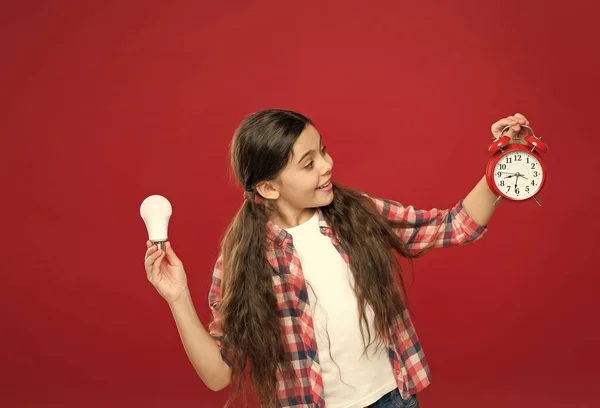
{"x": 312, "y": 162}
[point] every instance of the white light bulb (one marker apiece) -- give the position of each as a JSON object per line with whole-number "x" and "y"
{"x": 156, "y": 212}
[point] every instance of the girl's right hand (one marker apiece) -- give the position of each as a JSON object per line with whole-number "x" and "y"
{"x": 165, "y": 271}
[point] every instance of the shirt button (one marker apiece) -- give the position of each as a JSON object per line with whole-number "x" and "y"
{"x": 397, "y": 372}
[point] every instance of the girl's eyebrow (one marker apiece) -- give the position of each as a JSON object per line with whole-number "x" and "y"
{"x": 309, "y": 152}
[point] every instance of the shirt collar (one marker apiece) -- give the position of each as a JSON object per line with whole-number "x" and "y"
{"x": 280, "y": 237}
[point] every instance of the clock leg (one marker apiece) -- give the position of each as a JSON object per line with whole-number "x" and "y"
{"x": 497, "y": 200}
{"x": 537, "y": 201}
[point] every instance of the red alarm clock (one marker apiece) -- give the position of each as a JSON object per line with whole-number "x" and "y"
{"x": 516, "y": 171}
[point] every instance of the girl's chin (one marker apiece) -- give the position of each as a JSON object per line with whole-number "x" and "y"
{"x": 325, "y": 198}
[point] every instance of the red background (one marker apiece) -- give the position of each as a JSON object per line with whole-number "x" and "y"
{"x": 105, "y": 103}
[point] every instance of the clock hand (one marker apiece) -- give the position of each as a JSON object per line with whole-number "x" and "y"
{"x": 522, "y": 175}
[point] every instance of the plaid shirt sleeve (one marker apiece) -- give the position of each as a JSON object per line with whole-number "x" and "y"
{"x": 215, "y": 327}
{"x": 433, "y": 228}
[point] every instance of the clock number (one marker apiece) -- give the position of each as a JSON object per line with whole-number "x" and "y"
{"x": 535, "y": 174}
{"x": 527, "y": 189}
{"x": 509, "y": 160}
{"x": 532, "y": 164}
{"x": 533, "y": 183}
{"x": 517, "y": 157}
{"x": 508, "y": 191}
{"x": 503, "y": 167}
{"x": 499, "y": 174}
{"x": 501, "y": 183}
{"x": 527, "y": 159}
{"x": 517, "y": 190}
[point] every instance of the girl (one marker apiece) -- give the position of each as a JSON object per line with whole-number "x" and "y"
{"x": 307, "y": 293}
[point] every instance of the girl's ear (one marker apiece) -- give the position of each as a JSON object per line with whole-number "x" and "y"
{"x": 268, "y": 189}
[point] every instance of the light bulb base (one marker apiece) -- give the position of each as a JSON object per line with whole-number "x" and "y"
{"x": 159, "y": 244}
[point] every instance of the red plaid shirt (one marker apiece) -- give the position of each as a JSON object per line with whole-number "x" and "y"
{"x": 433, "y": 228}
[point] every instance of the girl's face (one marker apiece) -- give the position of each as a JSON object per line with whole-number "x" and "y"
{"x": 299, "y": 187}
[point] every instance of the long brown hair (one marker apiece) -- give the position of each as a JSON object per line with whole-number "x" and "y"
{"x": 260, "y": 149}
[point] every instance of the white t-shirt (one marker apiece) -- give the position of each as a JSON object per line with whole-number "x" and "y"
{"x": 360, "y": 380}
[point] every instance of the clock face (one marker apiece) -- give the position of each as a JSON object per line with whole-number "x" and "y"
{"x": 518, "y": 175}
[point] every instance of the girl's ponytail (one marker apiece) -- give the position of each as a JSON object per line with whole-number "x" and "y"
{"x": 252, "y": 333}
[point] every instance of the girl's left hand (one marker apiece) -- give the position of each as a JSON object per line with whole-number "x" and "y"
{"x": 516, "y": 131}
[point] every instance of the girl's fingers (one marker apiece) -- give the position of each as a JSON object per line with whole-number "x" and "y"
{"x": 159, "y": 259}
{"x": 156, "y": 266}
{"x": 518, "y": 115}
{"x": 516, "y": 120}
{"x": 501, "y": 124}
{"x": 514, "y": 127}
{"x": 149, "y": 251}
{"x": 150, "y": 259}
{"x": 171, "y": 256}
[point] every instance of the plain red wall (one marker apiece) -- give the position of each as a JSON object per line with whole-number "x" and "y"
{"x": 105, "y": 103}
